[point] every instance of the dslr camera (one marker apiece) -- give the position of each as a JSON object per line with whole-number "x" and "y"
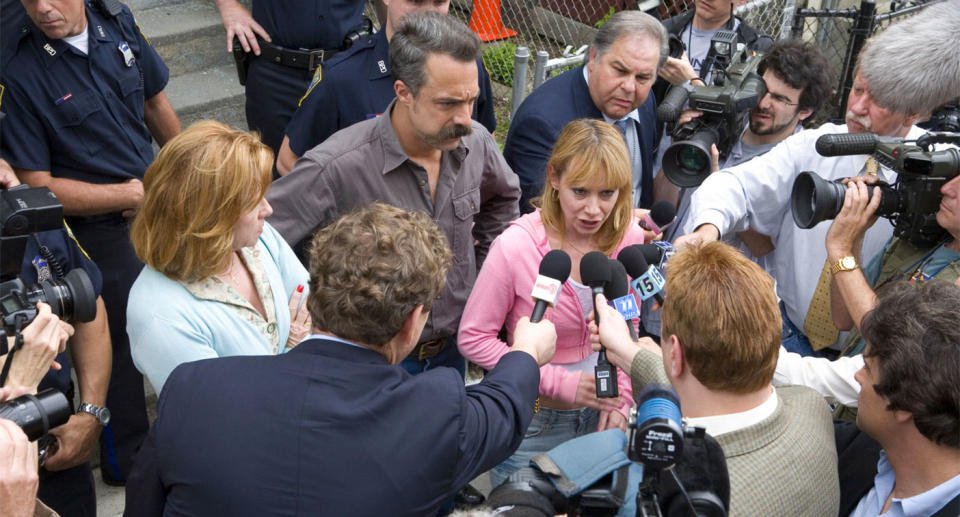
{"x": 736, "y": 88}
{"x": 911, "y": 203}
{"x": 25, "y": 211}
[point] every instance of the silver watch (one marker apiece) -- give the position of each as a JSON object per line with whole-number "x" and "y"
{"x": 102, "y": 414}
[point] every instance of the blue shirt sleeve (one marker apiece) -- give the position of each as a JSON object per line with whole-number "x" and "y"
{"x": 317, "y": 117}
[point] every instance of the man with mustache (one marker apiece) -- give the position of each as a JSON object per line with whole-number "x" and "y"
{"x": 357, "y": 85}
{"x": 424, "y": 153}
{"x": 799, "y": 79}
{"x": 756, "y": 195}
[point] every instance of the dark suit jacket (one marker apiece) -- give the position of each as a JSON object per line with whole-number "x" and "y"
{"x": 326, "y": 429}
{"x": 541, "y": 117}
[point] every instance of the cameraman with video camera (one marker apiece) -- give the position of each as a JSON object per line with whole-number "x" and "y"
{"x": 756, "y": 195}
{"x": 66, "y": 481}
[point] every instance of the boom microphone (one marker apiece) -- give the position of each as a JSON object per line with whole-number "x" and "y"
{"x": 647, "y": 279}
{"x": 844, "y": 144}
{"x": 554, "y": 271}
{"x": 618, "y": 292}
{"x": 660, "y": 216}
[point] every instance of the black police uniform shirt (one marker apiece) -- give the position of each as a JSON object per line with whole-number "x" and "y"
{"x": 36, "y": 267}
{"x": 81, "y": 116}
{"x": 308, "y": 24}
{"x": 356, "y": 85}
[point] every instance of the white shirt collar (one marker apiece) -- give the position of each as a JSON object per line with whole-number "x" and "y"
{"x": 721, "y": 424}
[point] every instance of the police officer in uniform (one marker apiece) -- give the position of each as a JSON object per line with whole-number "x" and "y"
{"x": 66, "y": 481}
{"x": 80, "y": 90}
{"x": 356, "y": 85}
{"x": 287, "y": 41}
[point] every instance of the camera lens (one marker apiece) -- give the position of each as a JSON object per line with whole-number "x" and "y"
{"x": 814, "y": 199}
{"x": 37, "y": 414}
{"x": 691, "y": 158}
{"x": 72, "y": 299}
{"x": 687, "y": 163}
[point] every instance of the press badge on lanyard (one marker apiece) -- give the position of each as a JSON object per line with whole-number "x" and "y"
{"x": 124, "y": 49}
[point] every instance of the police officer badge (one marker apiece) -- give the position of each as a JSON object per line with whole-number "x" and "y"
{"x": 124, "y": 49}
{"x": 43, "y": 269}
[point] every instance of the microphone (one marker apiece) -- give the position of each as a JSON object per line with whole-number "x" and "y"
{"x": 647, "y": 279}
{"x": 554, "y": 271}
{"x": 843, "y": 144}
{"x": 660, "y": 216}
{"x": 702, "y": 470}
{"x": 595, "y": 272}
{"x": 660, "y": 441}
{"x": 657, "y": 252}
{"x": 618, "y": 292}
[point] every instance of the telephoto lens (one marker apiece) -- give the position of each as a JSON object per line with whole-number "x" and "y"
{"x": 37, "y": 414}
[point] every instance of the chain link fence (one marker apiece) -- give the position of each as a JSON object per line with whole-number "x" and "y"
{"x": 561, "y": 28}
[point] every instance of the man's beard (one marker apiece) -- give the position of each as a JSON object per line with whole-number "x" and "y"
{"x": 773, "y": 128}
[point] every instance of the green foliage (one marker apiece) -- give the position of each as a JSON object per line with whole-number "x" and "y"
{"x": 499, "y": 62}
{"x": 606, "y": 17}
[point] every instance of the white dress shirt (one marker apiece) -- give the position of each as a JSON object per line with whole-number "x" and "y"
{"x": 756, "y": 194}
{"x": 832, "y": 379}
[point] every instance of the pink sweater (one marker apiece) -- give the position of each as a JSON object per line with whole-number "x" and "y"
{"x": 501, "y": 296}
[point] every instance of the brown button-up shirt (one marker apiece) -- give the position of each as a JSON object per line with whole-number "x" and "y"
{"x": 476, "y": 197}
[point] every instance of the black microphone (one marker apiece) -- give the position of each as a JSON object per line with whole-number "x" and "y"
{"x": 618, "y": 293}
{"x": 702, "y": 470}
{"x": 647, "y": 279}
{"x": 843, "y": 144}
{"x": 554, "y": 271}
{"x": 660, "y": 216}
{"x": 595, "y": 272}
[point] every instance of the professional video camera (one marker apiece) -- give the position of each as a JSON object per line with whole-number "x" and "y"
{"x": 698, "y": 483}
{"x": 911, "y": 203}
{"x": 24, "y": 211}
{"x": 736, "y": 88}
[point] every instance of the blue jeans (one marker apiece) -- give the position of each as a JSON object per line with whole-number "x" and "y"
{"x": 793, "y": 339}
{"x": 449, "y": 356}
{"x": 548, "y": 429}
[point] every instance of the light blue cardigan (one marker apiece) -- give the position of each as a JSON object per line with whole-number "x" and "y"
{"x": 168, "y": 325}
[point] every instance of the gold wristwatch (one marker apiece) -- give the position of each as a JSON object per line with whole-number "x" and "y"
{"x": 848, "y": 263}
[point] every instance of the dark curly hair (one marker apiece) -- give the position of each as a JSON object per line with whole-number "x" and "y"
{"x": 801, "y": 65}
{"x": 371, "y": 268}
{"x": 914, "y": 336}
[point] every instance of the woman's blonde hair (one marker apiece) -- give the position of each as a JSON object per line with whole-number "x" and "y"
{"x": 202, "y": 182}
{"x": 590, "y": 151}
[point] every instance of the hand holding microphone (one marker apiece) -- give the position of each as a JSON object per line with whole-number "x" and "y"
{"x": 661, "y": 215}
{"x": 595, "y": 272}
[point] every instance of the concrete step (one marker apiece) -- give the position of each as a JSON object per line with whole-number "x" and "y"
{"x": 188, "y": 35}
{"x": 214, "y": 93}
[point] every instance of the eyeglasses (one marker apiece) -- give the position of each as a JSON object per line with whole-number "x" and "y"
{"x": 779, "y": 99}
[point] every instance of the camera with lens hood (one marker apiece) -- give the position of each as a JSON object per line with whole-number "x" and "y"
{"x": 25, "y": 211}
{"x": 736, "y": 88}
{"x": 910, "y": 203}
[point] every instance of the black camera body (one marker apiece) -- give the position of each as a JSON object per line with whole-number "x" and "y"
{"x": 911, "y": 203}
{"x": 736, "y": 88}
{"x": 25, "y": 211}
